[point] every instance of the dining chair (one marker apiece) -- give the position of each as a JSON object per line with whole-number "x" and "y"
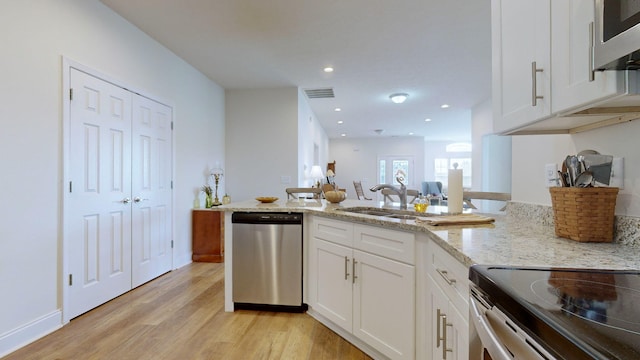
{"x": 294, "y": 193}
{"x": 412, "y": 195}
{"x": 484, "y": 195}
{"x": 359, "y": 191}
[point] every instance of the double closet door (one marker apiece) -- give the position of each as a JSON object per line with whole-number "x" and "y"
{"x": 118, "y": 204}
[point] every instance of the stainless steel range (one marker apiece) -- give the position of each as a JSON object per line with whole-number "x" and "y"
{"x": 551, "y": 313}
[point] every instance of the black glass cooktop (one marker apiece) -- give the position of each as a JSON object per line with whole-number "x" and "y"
{"x": 574, "y": 313}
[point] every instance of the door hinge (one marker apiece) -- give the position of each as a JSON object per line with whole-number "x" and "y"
{"x": 70, "y": 186}
{"x": 70, "y": 279}
{"x": 171, "y": 184}
{"x": 71, "y": 94}
{"x": 172, "y": 244}
{"x": 172, "y": 125}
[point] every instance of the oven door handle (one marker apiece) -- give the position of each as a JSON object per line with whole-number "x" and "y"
{"x": 489, "y": 338}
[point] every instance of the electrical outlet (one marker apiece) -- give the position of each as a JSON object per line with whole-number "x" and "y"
{"x": 617, "y": 173}
{"x": 551, "y": 175}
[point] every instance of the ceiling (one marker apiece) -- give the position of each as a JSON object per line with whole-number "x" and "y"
{"x": 436, "y": 51}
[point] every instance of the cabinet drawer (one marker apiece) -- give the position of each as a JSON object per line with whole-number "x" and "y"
{"x": 396, "y": 245}
{"x": 339, "y": 232}
{"x": 450, "y": 275}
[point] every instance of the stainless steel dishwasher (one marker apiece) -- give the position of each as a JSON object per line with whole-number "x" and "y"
{"x": 267, "y": 261}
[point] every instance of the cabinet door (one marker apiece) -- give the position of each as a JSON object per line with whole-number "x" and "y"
{"x": 520, "y": 36}
{"x": 571, "y": 43}
{"x": 448, "y": 336}
{"x": 330, "y": 277}
{"x": 384, "y": 304}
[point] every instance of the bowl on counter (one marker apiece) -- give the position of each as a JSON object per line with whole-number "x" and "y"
{"x": 266, "y": 199}
{"x": 335, "y": 196}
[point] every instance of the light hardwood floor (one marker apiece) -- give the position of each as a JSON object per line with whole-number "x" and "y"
{"x": 181, "y": 316}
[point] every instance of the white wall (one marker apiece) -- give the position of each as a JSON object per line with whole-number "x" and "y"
{"x": 357, "y": 159}
{"x": 310, "y": 133}
{"x": 531, "y": 153}
{"x": 35, "y": 36}
{"x": 263, "y": 124}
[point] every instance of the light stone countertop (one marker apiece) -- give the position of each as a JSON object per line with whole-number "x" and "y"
{"x": 513, "y": 240}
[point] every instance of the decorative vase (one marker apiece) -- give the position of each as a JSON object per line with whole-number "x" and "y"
{"x": 209, "y": 201}
{"x": 226, "y": 199}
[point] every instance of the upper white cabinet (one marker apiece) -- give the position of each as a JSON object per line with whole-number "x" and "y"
{"x": 572, "y": 82}
{"x": 521, "y": 51}
{"x": 560, "y": 93}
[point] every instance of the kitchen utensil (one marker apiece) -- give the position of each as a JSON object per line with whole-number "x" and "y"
{"x": 600, "y": 167}
{"x": 584, "y": 179}
{"x": 563, "y": 178}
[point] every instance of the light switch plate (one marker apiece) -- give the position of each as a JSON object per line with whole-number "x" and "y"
{"x": 551, "y": 175}
{"x": 617, "y": 173}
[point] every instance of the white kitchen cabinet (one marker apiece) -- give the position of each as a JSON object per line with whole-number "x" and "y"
{"x": 521, "y": 57}
{"x": 542, "y": 80}
{"x": 447, "y": 305}
{"x": 571, "y": 46}
{"x": 370, "y": 296}
{"x": 449, "y": 338}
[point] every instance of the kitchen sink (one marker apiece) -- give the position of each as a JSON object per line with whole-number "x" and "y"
{"x": 401, "y": 216}
{"x": 367, "y": 211}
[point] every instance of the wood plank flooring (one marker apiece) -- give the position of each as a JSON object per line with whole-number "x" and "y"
{"x": 181, "y": 316}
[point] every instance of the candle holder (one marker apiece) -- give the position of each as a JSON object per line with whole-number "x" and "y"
{"x": 216, "y": 174}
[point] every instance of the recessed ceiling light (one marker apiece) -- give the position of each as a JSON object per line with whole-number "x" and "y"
{"x": 444, "y": 106}
{"x": 340, "y": 122}
{"x": 427, "y": 119}
{"x": 337, "y": 109}
{"x": 398, "y": 98}
{"x": 343, "y": 134}
{"x": 328, "y": 69}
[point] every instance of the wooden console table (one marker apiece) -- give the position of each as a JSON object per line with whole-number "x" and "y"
{"x": 207, "y": 228}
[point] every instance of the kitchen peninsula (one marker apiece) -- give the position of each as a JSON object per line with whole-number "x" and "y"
{"x": 432, "y": 257}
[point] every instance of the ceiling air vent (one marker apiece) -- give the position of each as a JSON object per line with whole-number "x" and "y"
{"x": 324, "y": 93}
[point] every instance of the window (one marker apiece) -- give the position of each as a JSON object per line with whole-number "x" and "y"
{"x": 442, "y": 166}
{"x": 389, "y": 166}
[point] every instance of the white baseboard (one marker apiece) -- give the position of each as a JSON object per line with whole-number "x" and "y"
{"x": 28, "y": 333}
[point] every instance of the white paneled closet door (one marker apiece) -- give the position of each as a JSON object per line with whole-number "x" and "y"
{"x": 99, "y": 193}
{"x": 151, "y": 179}
{"x": 119, "y": 206}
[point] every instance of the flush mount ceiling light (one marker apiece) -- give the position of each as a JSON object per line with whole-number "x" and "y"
{"x": 398, "y": 98}
{"x": 328, "y": 69}
{"x": 444, "y": 106}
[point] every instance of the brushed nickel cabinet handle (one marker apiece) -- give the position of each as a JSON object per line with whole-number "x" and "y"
{"x": 439, "y": 314}
{"x": 445, "y": 349}
{"x": 445, "y": 276}
{"x": 353, "y": 270}
{"x": 346, "y": 267}
{"x": 592, "y": 75}
{"x": 534, "y": 83}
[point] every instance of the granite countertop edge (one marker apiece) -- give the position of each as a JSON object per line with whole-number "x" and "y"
{"x": 524, "y": 236}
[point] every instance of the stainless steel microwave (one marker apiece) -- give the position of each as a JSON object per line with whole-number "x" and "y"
{"x": 617, "y": 35}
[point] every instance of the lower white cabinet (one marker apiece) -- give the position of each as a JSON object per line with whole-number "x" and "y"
{"x": 368, "y": 295}
{"x": 447, "y": 329}
{"x": 446, "y": 304}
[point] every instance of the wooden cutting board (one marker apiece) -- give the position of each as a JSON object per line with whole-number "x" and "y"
{"x": 463, "y": 219}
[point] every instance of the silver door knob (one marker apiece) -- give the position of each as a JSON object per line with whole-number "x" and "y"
{"x": 126, "y": 200}
{"x": 136, "y": 199}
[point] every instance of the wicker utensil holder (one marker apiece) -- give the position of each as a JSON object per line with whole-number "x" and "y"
{"x": 584, "y": 214}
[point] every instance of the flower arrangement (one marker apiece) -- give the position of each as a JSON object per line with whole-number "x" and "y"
{"x": 209, "y": 196}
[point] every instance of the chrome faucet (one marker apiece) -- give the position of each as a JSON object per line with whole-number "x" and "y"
{"x": 401, "y": 192}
